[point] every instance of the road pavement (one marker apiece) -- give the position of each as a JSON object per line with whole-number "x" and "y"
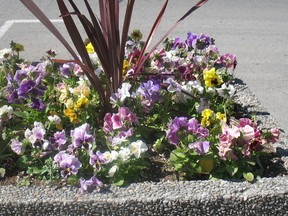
{"x": 255, "y": 30}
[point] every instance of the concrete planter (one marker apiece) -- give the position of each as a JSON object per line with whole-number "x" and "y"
{"x": 267, "y": 196}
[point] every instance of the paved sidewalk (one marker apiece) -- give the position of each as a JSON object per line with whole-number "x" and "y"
{"x": 256, "y": 31}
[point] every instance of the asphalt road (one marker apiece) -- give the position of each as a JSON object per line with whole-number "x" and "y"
{"x": 255, "y": 30}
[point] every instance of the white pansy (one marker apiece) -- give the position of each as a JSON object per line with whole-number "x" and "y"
{"x": 124, "y": 154}
{"x": 226, "y": 91}
{"x": 94, "y": 58}
{"x": 121, "y": 93}
{"x": 169, "y": 55}
{"x": 37, "y": 133}
{"x": 110, "y": 156}
{"x": 124, "y": 91}
{"x": 6, "y": 112}
{"x": 45, "y": 145}
{"x": 54, "y": 119}
{"x": 137, "y": 148}
{"x": 112, "y": 171}
{"x": 116, "y": 141}
{"x": 196, "y": 85}
{"x": 173, "y": 85}
{"x": 98, "y": 71}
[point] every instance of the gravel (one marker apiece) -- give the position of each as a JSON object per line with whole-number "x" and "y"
{"x": 266, "y": 196}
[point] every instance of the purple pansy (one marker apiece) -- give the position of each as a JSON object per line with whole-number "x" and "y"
{"x": 25, "y": 88}
{"x": 65, "y": 70}
{"x": 17, "y": 147}
{"x": 191, "y": 39}
{"x": 149, "y": 94}
{"x": 68, "y": 164}
{"x": 25, "y": 85}
{"x": 201, "y": 41}
{"x": 36, "y": 134}
{"x": 184, "y": 126}
{"x": 81, "y": 137}
{"x": 108, "y": 125}
{"x": 97, "y": 159}
{"x": 176, "y": 124}
{"x": 37, "y": 104}
{"x": 59, "y": 140}
{"x": 200, "y": 147}
{"x": 86, "y": 185}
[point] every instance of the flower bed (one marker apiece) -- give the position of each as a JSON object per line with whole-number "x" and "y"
{"x": 179, "y": 109}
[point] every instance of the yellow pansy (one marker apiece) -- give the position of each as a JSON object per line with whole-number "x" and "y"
{"x": 206, "y": 117}
{"x": 90, "y": 48}
{"x": 82, "y": 90}
{"x": 69, "y": 103}
{"x": 126, "y": 66}
{"x": 82, "y": 102}
{"x": 211, "y": 78}
{"x": 71, "y": 114}
{"x": 221, "y": 116}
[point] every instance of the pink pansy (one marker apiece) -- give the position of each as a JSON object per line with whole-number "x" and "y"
{"x": 226, "y": 152}
{"x": 108, "y": 125}
{"x": 127, "y": 115}
{"x": 248, "y": 132}
{"x": 116, "y": 121}
{"x": 233, "y": 131}
{"x": 245, "y": 121}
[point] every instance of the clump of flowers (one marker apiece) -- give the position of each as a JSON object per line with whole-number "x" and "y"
{"x": 178, "y": 106}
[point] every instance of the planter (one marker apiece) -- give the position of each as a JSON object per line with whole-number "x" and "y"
{"x": 266, "y": 196}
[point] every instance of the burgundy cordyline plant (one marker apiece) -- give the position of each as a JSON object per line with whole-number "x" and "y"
{"x": 104, "y": 34}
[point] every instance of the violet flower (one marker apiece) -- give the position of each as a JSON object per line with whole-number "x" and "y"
{"x": 36, "y": 134}
{"x": 17, "y": 147}
{"x": 176, "y": 124}
{"x": 59, "y": 140}
{"x": 20, "y": 75}
{"x": 200, "y": 147}
{"x": 87, "y": 185}
{"x": 149, "y": 94}
{"x": 108, "y": 125}
{"x": 81, "y": 137}
{"x": 191, "y": 39}
{"x": 97, "y": 159}
{"x": 177, "y": 43}
{"x": 65, "y": 70}
{"x": 37, "y": 104}
{"x": 25, "y": 88}
{"x": 68, "y": 164}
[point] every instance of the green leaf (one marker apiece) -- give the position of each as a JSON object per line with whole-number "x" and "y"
{"x": 251, "y": 163}
{"x": 119, "y": 181}
{"x": 248, "y": 176}
{"x": 231, "y": 169}
{"x": 178, "y": 166}
{"x": 158, "y": 145}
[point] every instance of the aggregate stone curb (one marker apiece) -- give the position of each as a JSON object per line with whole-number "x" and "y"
{"x": 266, "y": 196}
